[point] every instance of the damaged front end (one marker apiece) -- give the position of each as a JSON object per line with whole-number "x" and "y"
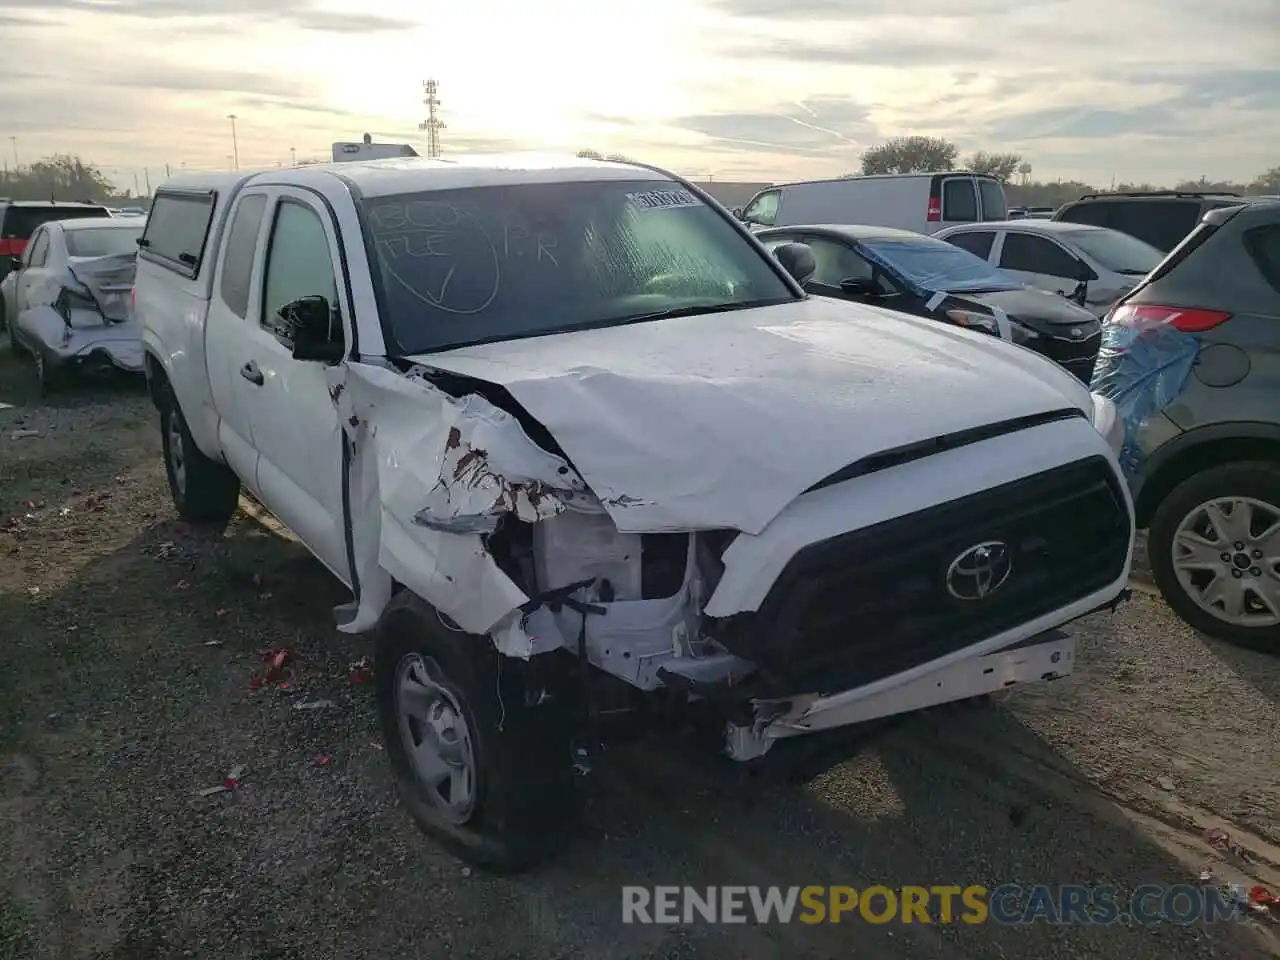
{"x": 88, "y": 322}
{"x": 505, "y": 538}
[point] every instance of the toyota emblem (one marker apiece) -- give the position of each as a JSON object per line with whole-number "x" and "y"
{"x": 980, "y": 570}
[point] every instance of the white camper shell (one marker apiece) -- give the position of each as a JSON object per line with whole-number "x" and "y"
{"x": 922, "y": 202}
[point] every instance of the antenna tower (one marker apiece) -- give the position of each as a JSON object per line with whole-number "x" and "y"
{"x": 433, "y": 124}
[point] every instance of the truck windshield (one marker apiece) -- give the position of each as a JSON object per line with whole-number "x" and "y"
{"x": 459, "y": 267}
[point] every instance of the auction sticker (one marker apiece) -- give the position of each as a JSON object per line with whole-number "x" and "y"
{"x": 664, "y": 199}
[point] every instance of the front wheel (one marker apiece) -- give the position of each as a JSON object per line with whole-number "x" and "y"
{"x": 481, "y": 759}
{"x": 204, "y": 491}
{"x": 1215, "y": 553}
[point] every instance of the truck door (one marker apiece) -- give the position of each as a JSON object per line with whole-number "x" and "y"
{"x": 227, "y": 341}
{"x": 295, "y": 430}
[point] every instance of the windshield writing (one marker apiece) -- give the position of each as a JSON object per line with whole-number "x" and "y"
{"x": 939, "y": 266}
{"x": 491, "y": 263}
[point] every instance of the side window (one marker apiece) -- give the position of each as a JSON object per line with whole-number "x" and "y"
{"x": 1094, "y": 214}
{"x": 299, "y": 262}
{"x": 242, "y": 246}
{"x": 177, "y": 230}
{"x": 763, "y": 209}
{"x": 1024, "y": 252}
{"x": 993, "y": 205}
{"x": 38, "y": 249}
{"x": 959, "y": 201}
{"x": 1161, "y": 223}
{"x": 1263, "y": 245}
{"x": 837, "y": 263}
{"x": 977, "y": 242}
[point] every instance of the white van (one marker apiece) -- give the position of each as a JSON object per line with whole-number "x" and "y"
{"x": 923, "y": 202}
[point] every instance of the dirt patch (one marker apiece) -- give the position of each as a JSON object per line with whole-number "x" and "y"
{"x": 129, "y": 646}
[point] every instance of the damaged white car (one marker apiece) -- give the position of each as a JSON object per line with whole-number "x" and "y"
{"x": 575, "y": 440}
{"x": 68, "y": 299}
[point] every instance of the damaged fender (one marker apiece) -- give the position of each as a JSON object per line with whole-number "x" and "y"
{"x": 429, "y": 475}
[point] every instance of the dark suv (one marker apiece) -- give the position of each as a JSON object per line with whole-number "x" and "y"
{"x": 1162, "y": 219}
{"x": 1192, "y": 357}
{"x": 19, "y": 219}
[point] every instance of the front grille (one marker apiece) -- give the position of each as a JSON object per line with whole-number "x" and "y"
{"x": 874, "y": 602}
{"x": 1077, "y": 356}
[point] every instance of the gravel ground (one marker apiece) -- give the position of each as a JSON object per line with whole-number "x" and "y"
{"x": 129, "y": 644}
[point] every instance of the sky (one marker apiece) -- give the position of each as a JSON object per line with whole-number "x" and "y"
{"x": 762, "y": 90}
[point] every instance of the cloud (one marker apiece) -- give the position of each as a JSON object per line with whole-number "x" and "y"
{"x": 816, "y": 126}
{"x": 847, "y": 10}
{"x": 756, "y": 89}
{"x": 303, "y": 14}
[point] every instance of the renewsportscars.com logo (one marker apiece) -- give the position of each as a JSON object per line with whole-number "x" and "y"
{"x": 1009, "y": 904}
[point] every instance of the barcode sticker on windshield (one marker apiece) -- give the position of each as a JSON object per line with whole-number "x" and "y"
{"x": 663, "y": 199}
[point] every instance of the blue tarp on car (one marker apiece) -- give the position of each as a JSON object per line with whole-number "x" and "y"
{"x": 1141, "y": 368}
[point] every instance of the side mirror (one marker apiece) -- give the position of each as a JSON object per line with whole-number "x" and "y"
{"x": 313, "y": 327}
{"x": 797, "y": 260}
{"x": 15, "y": 263}
{"x": 859, "y": 287}
{"x": 737, "y": 212}
{"x": 1083, "y": 275}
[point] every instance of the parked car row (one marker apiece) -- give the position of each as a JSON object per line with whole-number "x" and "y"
{"x": 909, "y": 272}
{"x": 576, "y": 441}
{"x": 1186, "y": 286}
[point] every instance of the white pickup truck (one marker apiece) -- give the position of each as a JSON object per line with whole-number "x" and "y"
{"x": 560, "y": 424}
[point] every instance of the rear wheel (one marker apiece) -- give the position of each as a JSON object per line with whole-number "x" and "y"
{"x": 204, "y": 491}
{"x": 50, "y": 378}
{"x": 1215, "y": 553}
{"x": 481, "y": 759}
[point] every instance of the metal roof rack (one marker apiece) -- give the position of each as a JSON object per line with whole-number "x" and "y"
{"x": 1162, "y": 193}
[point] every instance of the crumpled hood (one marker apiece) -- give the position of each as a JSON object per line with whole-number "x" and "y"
{"x": 721, "y": 420}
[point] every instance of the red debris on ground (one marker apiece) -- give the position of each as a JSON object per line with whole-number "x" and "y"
{"x": 321, "y": 760}
{"x": 277, "y": 659}
{"x": 362, "y": 671}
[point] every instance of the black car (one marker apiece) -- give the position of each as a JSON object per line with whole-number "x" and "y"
{"x": 1161, "y": 218}
{"x": 916, "y": 274}
{"x": 1192, "y": 360}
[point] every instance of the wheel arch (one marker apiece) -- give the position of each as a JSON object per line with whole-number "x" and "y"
{"x": 1199, "y": 450}
{"x": 157, "y": 377}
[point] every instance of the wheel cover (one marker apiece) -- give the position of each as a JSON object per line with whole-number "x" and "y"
{"x": 177, "y": 454}
{"x": 1226, "y": 556}
{"x": 436, "y": 738}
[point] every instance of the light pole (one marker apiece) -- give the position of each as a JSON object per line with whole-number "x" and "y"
{"x": 235, "y": 147}
{"x": 293, "y": 156}
{"x": 230, "y": 162}
{"x": 14, "y": 142}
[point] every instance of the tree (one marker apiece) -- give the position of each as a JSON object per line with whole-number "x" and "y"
{"x": 910, "y": 155}
{"x": 590, "y": 154}
{"x": 1002, "y": 166}
{"x": 60, "y": 177}
{"x": 1267, "y": 183}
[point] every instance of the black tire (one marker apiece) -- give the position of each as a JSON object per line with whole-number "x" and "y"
{"x": 1258, "y": 480}
{"x": 204, "y": 491}
{"x": 50, "y": 379}
{"x": 524, "y": 797}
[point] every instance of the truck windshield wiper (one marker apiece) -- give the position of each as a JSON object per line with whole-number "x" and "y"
{"x": 695, "y": 310}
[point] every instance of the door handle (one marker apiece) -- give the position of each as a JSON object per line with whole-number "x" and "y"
{"x": 251, "y": 373}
